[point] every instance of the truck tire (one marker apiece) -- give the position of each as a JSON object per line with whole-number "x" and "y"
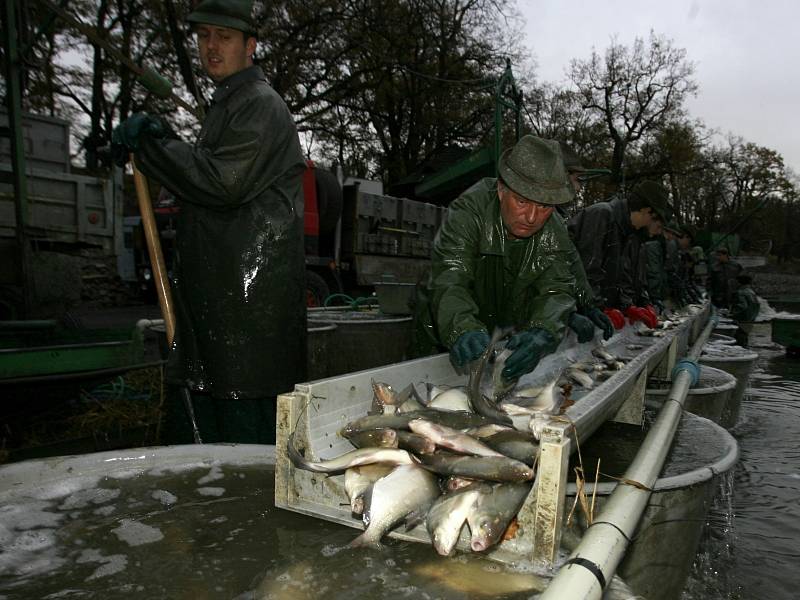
{"x": 329, "y": 200}
{"x": 317, "y": 289}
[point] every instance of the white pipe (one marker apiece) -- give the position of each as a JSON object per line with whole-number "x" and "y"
{"x": 593, "y": 563}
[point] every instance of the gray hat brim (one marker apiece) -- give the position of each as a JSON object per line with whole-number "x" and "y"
{"x": 205, "y": 18}
{"x": 530, "y": 189}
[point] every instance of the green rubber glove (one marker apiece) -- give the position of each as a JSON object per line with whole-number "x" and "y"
{"x": 601, "y": 321}
{"x": 582, "y": 326}
{"x": 126, "y": 135}
{"x": 529, "y": 347}
{"x": 468, "y": 347}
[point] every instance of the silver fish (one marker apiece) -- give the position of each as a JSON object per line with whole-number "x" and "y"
{"x": 480, "y": 403}
{"x": 413, "y": 442}
{"x": 447, "y": 516}
{"x": 490, "y": 516}
{"x": 603, "y": 354}
{"x": 357, "y": 480}
{"x": 487, "y": 430}
{"x": 501, "y": 387}
{"x": 452, "y": 399}
{"x": 355, "y": 458}
{"x": 407, "y": 489}
{"x": 450, "y": 438}
{"x": 519, "y": 445}
{"x": 580, "y": 377}
{"x": 487, "y": 468}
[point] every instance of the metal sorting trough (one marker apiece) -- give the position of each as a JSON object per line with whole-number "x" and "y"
{"x": 738, "y": 362}
{"x": 316, "y": 412}
{"x": 363, "y": 339}
{"x": 660, "y": 557}
{"x": 709, "y": 398}
{"x": 721, "y": 339}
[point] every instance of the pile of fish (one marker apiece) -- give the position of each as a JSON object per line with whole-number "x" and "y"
{"x": 446, "y": 457}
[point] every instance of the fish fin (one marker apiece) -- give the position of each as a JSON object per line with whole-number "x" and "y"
{"x": 416, "y": 518}
{"x": 364, "y": 541}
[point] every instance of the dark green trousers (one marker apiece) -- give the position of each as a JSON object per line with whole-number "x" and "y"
{"x": 235, "y": 421}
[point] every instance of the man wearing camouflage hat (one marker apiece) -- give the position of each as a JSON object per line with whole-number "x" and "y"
{"x": 607, "y": 237}
{"x": 500, "y": 260}
{"x": 239, "y": 274}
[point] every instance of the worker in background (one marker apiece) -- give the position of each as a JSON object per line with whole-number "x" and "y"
{"x": 664, "y": 282}
{"x": 722, "y": 278}
{"x": 587, "y": 315}
{"x": 654, "y": 258}
{"x": 692, "y": 292}
{"x": 745, "y": 305}
{"x": 239, "y": 289}
{"x": 501, "y": 260}
{"x": 607, "y": 238}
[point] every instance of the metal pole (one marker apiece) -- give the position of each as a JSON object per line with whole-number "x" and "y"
{"x": 593, "y": 563}
{"x": 19, "y": 181}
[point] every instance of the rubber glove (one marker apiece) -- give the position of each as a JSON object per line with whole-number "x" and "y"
{"x": 582, "y": 326}
{"x": 125, "y": 137}
{"x": 469, "y": 346}
{"x": 616, "y": 317}
{"x": 602, "y": 321}
{"x": 528, "y": 349}
{"x": 637, "y": 313}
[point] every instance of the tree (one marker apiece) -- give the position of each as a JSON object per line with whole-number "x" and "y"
{"x": 634, "y": 90}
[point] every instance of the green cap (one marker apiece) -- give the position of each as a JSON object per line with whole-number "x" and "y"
{"x": 234, "y": 14}
{"x": 534, "y": 169}
{"x": 656, "y": 197}
{"x": 673, "y": 227}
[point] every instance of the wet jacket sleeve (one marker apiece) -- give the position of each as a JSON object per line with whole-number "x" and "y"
{"x": 584, "y": 296}
{"x": 453, "y": 270}
{"x": 237, "y": 169}
{"x": 554, "y": 301}
{"x": 588, "y": 234}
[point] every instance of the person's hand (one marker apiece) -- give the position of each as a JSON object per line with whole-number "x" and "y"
{"x": 582, "y": 326}
{"x": 602, "y": 321}
{"x": 615, "y": 316}
{"x": 469, "y": 346}
{"x": 528, "y": 349}
{"x": 125, "y": 137}
{"x": 637, "y": 313}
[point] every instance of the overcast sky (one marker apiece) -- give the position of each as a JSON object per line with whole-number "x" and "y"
{"x": 746, "y": 55}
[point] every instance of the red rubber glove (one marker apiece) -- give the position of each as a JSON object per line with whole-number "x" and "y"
{"x": 617, "y": 320}
{"x": 637, "y": 313}
{"x": 652, "y": 310}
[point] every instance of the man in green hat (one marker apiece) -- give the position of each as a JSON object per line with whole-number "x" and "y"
{"x": 607, "y": 237}
{"x": 501, "y": 260}
{"x": 238, "y": 286}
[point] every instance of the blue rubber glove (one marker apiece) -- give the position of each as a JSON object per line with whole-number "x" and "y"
{"x": 468, "y": 347}
{"x": 582, "y": 326}
{"x": 529, "y": 347}
{"x": 126, "y": 135}
{"x": 601, "y": 321}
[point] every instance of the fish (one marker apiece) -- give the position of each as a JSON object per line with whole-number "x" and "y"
{"x": 357, "y": 480}
{"x": 406, "y": 490}
{"x": 408, "y": 399}
{"x": 450, "y": 438}
{"x": 580, "y": 378}
{"x": 634, "y": 346}
{"x": 383, "y": 397}
{"x": 453, "y": 483}
{"x": 354, "y": 458}
{"x": 519, "y": 445}
{"x": 374, "y": 438}
{"x": 457, "y": 419}
{"x": 413, "y": 442}
{"x": 470, "y": 578}
{"x": 452, "y": 399}
{"x": 501, "y": 387}
{"x": 491, "y": 514}
{"x": 603, "y": 354}
{"x": 480, "y": 403}
{"x": 487, "y": 430}
{"x": 447, "y": 516}
{"x": 487, "y": 468}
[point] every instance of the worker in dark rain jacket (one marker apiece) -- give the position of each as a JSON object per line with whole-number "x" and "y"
{"x": 587, "y": 315}
{"x": 501, "y": 260}
{"x": 722, "y": 279}
{"x": 606, "y": 235}
{"x": 745, "y": 305}
{"x": 239, "y": 274}
{"x": 664, "y": 283}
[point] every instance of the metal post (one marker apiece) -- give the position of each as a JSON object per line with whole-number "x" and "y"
{"x": 14, "y": 104}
